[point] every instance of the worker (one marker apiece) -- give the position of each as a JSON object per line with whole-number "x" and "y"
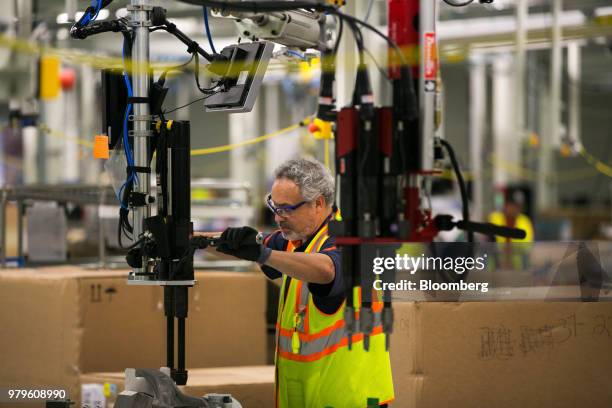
{"x": 514, "y": 253}
{"x": 314, "y": 367}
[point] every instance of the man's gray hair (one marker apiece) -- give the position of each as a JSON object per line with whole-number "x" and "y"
{"x": 311, "y": 176}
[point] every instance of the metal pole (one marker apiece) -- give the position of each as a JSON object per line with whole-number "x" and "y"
{"x": 478, "y": 95}
{"x": 522, "y": 10}
{"x": 427, "y": 80}
{"x": 140, "y": 77}
{"x": 551, "y": 138}
{"x": 573, "y": 71}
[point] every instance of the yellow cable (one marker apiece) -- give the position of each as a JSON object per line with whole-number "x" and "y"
{"x": 326, "y": 153}
{"x": 82, "y": 142}
{"x": 219, "y": 149}
{"x": 600, "y": 166}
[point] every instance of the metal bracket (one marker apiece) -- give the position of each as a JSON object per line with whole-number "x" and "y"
{"x": 140, "y": 118}
{"x": 146, "y": 23}
{"x": 140, "y": 133}
{"x": 139, "y": 7}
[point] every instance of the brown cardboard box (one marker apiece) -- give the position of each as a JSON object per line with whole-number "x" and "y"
{"x": 252, "y": 386}
{"x": 60, "y": 322}
{"x": 11, "y": 233}
{"x": 502, "y": 354}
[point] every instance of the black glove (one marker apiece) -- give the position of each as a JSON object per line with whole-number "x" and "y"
{"x": 242, "y": 243}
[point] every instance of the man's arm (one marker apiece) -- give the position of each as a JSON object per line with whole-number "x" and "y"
{"x": 315, "y": 268}
{"x": 213, "y": 250}
{"x": 312, "y": 268}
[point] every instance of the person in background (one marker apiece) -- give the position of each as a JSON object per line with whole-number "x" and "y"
{"x": 514, "y": 253}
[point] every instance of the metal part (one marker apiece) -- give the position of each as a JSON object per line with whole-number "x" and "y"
{"x": 299, "y": 28}
{"x": 140, "y": 78}
{"x": 135, "y": 280}
{"x": 574, "y": 93}
{"x": 240, "y": 96}
{"x": 478, "y": 88}
{"x": 295, "y": 28}
{"x": 146, "y": 23}
{"x": 134, "y": 118}
{"x": 428, "y": 80}
{"x": 140, "y": 133}
{"x": 139, "y": 7}
{"x": 146, "y": 388}
{"x": 387, "y": 325}
{"x": 550, "y": 138}
{"x": 366, "y": 325}
{"x": 522, "y": 10}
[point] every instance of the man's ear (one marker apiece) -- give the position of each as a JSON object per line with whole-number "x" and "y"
{"x": 320, "y": 202}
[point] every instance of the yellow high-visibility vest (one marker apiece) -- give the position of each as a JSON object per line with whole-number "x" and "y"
{"x": 522, "y": 222}
{"x": 513, "y": 252}
{"x": 314, "y": 368}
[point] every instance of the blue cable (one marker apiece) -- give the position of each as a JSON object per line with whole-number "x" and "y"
{"x": 208, "y": 34}
{"x": 88, "y": 18}
{"x": 132, "y": 177}
{"x": 128, "y": 108}
{"x": 296, "y": 54}
{"x": 98, "y": 7}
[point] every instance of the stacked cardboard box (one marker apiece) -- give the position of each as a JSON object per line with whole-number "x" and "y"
{"x": 57, "y": 323}
{"x": 502, "y": 354}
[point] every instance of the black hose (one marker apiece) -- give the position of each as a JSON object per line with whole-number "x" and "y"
{"x": 465, "y": 204}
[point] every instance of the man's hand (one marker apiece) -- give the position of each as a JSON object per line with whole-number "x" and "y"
{"x": 242, "y": 243}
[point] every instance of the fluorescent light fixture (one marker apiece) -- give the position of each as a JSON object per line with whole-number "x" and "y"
{"x": 474, "y": 27}
{"x": 188, "y": 25}
{"x": 62, "y": 18}
{"x": 103, "y": 14}
{"x": 603, "y": 11}
{"x": 121, "y": 13}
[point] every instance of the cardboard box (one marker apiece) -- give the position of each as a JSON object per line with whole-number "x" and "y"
{"x": 502, "y": 354}
{"x": 57, "y": 323}
{"x": 11, "y": 229}
{"x": 252, "y": 386}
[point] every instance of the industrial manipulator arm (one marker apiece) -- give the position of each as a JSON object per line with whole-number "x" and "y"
{"x": 162, "y": 247}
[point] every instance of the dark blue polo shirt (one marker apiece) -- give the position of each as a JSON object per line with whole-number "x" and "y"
{"x": 327, "y": 297}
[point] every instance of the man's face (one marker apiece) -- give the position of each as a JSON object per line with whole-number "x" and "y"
{"x": 512, "y": 209}
{"x": 303, "y": 221}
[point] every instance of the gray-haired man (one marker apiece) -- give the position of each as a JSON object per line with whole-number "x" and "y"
{"x": 314, "y": 367}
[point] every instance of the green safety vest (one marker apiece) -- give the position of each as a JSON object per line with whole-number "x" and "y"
{"x": 314, "y": 367}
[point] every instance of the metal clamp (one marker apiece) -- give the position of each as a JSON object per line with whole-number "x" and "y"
{"x": 146, "y": 23}
{"x": 140, "y": 7}
{"x": 140, "y": 133}
{"x": 140, "y": 118}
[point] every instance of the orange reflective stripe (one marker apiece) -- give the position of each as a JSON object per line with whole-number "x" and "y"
{"x": 316, "y": 356}
{"x": 308, "y": 337}
{"x": 316, "y": 241}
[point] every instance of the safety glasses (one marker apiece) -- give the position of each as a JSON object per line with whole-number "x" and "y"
{"x": 282, "y": 210}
